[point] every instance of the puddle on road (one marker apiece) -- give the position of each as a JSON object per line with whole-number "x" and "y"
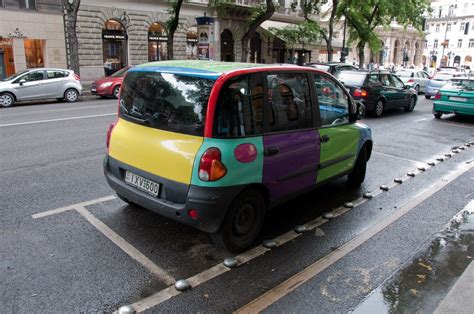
{"x": 422, "y": 284}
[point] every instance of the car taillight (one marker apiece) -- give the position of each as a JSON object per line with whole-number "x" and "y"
{"x": 77, "y": 77}
{"x": 210, "y": 166}
{"x": 358, "y": 92}
{"x": 411, "y": 81}
{"x": 109, "y": 132}
{"x": 438, "y": 95}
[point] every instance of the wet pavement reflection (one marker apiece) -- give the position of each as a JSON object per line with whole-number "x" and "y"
{"x": 421, "y": 285}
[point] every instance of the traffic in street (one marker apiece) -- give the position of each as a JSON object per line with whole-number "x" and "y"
{"x": 68, "y": 243}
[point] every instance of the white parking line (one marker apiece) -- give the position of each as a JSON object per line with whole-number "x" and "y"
{"x": 401, "y": 158}
{"x": 419, "y": 120}
{"x": 66, "y": 208}
{"x": 59, "y": 119}
{"x": 289, "y": 285}
{"x": 126, "y": 247}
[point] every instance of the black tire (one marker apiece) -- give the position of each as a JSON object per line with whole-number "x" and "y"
{"x": 6, "y": 100}
{"x": 427, "y": 96}
{"x": 116, "y": 91}
{"x": 357, "y": 176}
{"x": 417, "y": 89}
{"x": 437, "y": 115}
{"x": 378, "y": 109}
{"x": 71, "y": 95}
{"x": 411, "y": 105}
{"x": 242, "y": 223}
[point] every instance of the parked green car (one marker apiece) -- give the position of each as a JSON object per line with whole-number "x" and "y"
{"x": 457, "y": 96}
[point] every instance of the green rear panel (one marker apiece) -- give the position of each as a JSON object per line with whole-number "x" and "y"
{"x": 237, "y": 173}
{"x": 343, "y": 142}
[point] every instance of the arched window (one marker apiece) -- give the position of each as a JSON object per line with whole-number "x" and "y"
{"x": 114, "y": 46}
{"x": 227, "y": 46}
{"x": 191, "y": 43}
{"x": 157, "y": 42}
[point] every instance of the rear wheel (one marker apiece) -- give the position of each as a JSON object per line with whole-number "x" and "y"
{"x": 411, "y": 105}
{"x": 438, "y": 115}
{"x": 116, "y": 91}
{"x": 378, "y": 109}
{"x": 6, "y": 100}
{"x": 242, "y": 223}
{"x": 357, "y": 176}
{"x": 71, "y": 95}
{"x": 427, "y": 96}
{"x": 417, "y": 89}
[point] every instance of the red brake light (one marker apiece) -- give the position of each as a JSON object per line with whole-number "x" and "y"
{"x": 360, "y": 93}
{"x": 109, "y": 132}
{"x": 210, "y": 166}
{"x": 438, "y": 95}
{"x": 77, "y": 77}
{"x": 411, "y": 81}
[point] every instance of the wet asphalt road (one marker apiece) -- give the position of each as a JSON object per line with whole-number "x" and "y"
{"x": 52, "y": 158}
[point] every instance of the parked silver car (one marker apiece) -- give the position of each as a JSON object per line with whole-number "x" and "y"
{"x": 438, "y": 81}
{"x": 40, "y": 83}
{"x": 416, "y": 79}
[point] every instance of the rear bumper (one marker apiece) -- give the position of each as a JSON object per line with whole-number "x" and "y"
{"x": 210, "y": 203}
{"x": 448, "y": 107}
{"x": 431, "y": 91}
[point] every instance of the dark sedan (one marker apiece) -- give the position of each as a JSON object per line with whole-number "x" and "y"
{"x": 379, "y": 90}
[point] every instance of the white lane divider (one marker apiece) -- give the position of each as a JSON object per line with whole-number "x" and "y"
{"x": 291, "y": 284}
{"x": 59, "y": 119}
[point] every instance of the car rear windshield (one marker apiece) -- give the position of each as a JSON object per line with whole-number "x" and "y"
{"x": 166, "y": 101}
{"x": 404, "y": 73}
{"x": 443, "y": 76}
{"x": 460, "y": 85}
{"x": 351, "y": 78}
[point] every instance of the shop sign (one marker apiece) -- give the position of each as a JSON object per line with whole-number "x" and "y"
{"x": 113, "y": 35}
{"x": 192, "y": 40}
{"x": 6, "y": 41}
{"x": 157, "y": 38}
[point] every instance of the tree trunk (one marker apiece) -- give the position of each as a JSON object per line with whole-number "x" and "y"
{"x": 173, "y": 24}
{"x": 72, "y": 44}
{"x": 331, "y": 30}
{"x": 253, "y": 28}
{"x": 360, "y": 47}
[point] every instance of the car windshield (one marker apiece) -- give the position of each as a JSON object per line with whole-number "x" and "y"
{"x": 14, "y": 76}
{"x": 166, "y": 101}
{"x": 460, "y": 85}
{"x": 120, "y": 72}
{"x": 351, "y": 78}
{"x": 405, "y": 73}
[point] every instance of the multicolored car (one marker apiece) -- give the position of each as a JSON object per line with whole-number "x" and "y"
{"x": 457, "y": 96}
{"x": 216, "y": 145}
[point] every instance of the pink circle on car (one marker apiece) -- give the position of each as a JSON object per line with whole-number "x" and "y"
{"x": 245, "y": 152}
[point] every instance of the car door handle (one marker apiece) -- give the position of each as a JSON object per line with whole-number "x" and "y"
{"x": 271, "y": 151}
{"x": 324, "y": 139}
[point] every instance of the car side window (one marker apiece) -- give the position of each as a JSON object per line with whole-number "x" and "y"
{"x": 418, "y": 74}
{"x": 32, "y": 76}
{"x": 289, "y": 101}
{"x": 333, "y": 101}
{"x": 396, "y": 81}
{"x": 425, "y": 75}
{"x": 239, "y": 110}
{"x": 55, "y": 74}
{"x": 373, "y": 80}
{"x": 385, "y": 80}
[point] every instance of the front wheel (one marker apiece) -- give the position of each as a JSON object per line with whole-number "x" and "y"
{"x": 357, "y": 176}
{"x": 411, "y": 105}
{"x": 71, "y": 95}
{"x": 427, "y": 96}
{"x": 6, "y": 100}
{"x": 116, "y": 91}
{"x": 242, "y": 223}
{"x": 438, "y": 115}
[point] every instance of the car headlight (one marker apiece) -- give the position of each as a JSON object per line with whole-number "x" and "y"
{"x": 106, "y": 84}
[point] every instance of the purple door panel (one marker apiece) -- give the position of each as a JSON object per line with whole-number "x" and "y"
{"x": 290, "y": 163}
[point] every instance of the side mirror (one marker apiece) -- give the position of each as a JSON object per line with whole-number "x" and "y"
{"x": 22, "y": 81}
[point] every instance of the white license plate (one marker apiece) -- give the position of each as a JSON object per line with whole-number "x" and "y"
{"x": 458, "y": 98}
{"x": 141, "y": 183}
{"x": 93, "y": 90}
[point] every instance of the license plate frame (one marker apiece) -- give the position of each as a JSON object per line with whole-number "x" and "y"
{"x": 143, "y": 184}
{"x": 93, "y": 90}
{"x": 454, "y": 98}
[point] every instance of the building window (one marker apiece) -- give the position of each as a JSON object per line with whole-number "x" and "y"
{"x": 471, "y": 43}
{"x": 459, "y": 43}
{"x": 448, "y": 28}
{"x": 435, "y": 44}
{"x": 462, "y": 26}
{"x": 34, "y": 53}
{"x": 437, "y": 28}
{"x": 426, "y": 44}
{"x": 28, "y": 4}
{"x": 191, "y": 43}
{"x": 114, "y": 46}
{"x": 157, "y": 42}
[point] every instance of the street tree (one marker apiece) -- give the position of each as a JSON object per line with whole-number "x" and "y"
{"x": 364, "y": 16}
{"x": 172, "y": 25}
{"x": 70, "y": 9}
{"x": 257, "y": 14}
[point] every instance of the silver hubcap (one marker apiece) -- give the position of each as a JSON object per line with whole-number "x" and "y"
{"x": 116, "y": 91}
{"x": 71, "y": 95}
{"x": 379, "y": 108}
{"x": 6, "y": 100}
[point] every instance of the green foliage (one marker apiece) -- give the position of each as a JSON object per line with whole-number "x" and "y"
{"x": 306, "y": 32}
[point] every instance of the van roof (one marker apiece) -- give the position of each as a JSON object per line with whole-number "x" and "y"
{"x": 198, "y": 68}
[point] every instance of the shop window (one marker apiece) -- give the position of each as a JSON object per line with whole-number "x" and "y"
{"x": 28, "y": 4}
{"x": 34, "y": 53}
{"x": 114, "y": 47}
{"x": 191, "y": 43}
{"x": 157, "y": 42}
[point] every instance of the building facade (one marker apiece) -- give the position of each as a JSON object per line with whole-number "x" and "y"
{"x": 31, "y": 35}
{"x": 450, "y": 34}
{"x": 114, "y": 34}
